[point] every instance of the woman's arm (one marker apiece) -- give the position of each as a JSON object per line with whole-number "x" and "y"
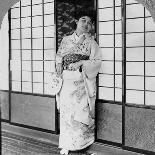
{"x": 59, "y": 57}
{"x": 92, "y": 66}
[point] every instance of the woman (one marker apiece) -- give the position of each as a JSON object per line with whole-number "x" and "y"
{"x": 78, "y": 61}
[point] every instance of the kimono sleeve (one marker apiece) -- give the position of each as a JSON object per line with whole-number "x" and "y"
{"x": 92, "y": 66}
{"x": 60, "y": 51}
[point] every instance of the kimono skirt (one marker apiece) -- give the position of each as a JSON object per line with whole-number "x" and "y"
{"x": 76, "y": 124}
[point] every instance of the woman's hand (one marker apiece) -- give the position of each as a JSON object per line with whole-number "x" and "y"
{"x": 75, "y": 66}
{"x": 59, "y": 69}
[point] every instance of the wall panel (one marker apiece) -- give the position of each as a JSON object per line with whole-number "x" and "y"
{"x": 139, "y": 130}
{"x": 109, "y": 122}
{"x": 4, "y": 101}
{"x": 33, "y": 111}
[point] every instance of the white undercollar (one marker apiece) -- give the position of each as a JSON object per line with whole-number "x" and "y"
{"x": 76, "y": 37}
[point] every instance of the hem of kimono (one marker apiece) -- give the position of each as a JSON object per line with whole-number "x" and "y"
{"x": 81, "y": 148}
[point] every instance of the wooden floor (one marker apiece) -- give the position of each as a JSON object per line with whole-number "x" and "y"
{"x": 22, "y": 141}
{"x": 13, "y": 144}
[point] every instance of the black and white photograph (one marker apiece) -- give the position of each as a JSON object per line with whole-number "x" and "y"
{"x": 77, "y": 77}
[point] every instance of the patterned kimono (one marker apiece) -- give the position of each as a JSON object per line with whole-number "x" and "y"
{"x": 76, "y": 99}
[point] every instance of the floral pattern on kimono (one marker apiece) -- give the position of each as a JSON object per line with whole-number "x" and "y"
{"x": 74, "y": 100}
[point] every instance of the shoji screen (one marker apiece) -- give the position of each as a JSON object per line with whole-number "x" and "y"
{"x": 149, "y": 59}
{"x": 110, "y": 42}
{"x": 140, "y": 77}
{"x": 32, "y": 45}
{"x": 140, "y": 55}
{"x": 32, "y": 50}
{"x": 109, "y": 106}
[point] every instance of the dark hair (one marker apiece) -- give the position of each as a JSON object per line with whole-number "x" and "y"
{"x": 90, "y": 13}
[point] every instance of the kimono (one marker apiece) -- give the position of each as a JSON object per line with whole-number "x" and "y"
{"x": 76, "y": 99}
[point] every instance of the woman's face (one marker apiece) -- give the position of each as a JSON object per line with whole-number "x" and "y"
{"x": 84, "y": 24}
